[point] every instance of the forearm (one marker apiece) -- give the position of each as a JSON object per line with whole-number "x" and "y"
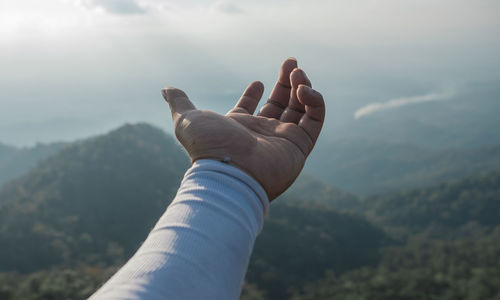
{"x": 200, "y": 247}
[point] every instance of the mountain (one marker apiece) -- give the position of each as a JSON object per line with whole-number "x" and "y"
{"x": 446, "y": 210}
{"x": 15, "y": 162}
{"x": 450, "y": 249}
{"x": 423, "y": 269}
{"x": 368, "y": 167}
{"x": 6, "y": 152}
{"x": 94, "y": 202}
{"x": 300, "y": 244}
{"x": 309, "y": 191}
{"x": 97, "y": 196}
{"x": 83, "y": 211}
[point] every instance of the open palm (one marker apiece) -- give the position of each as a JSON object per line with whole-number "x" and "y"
{"x": 272, "y": 146}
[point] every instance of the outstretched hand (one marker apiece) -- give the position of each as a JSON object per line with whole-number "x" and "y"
{"x": 271, "y": 146}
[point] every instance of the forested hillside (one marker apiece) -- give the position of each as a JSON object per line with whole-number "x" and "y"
{"x": 15, "y": 161}
{"x": 300, "y": 244}
{"x": 93, "y": 203}
{"x": 466, "y": 268}
{"x": 71, "y": 221}
{"x": 451, "y": 235}
{"x": 368, "y": 166}
{"x": 309, "y": 191}
{"x": 443, "y": 210}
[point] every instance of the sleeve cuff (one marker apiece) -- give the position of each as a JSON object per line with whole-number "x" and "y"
{"x": 236, "y": 173}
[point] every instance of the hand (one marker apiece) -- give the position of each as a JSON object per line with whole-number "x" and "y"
{"x": 272, "y": 146}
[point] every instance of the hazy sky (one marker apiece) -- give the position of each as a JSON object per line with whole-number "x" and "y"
{"x": 70, "y": 68}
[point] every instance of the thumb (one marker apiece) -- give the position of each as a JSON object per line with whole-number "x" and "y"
{"x": 178, "y": 101}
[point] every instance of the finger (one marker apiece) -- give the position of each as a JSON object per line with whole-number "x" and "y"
{"x": 313, "y": 119}
{"x": 280, "y": 96}
{"x": 295, "y": 109}
{"x": 178, "y": 101}
{"x": 250, "y": 98}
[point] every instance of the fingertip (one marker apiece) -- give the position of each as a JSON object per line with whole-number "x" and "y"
{"x": 164, "y": 93}
{"x": 302, "y": 90}
{"x": 309, "y": 96}
{"x": 258, "y": 86}
{"x": 250, "y": 98}
{"x": 254, "y": 90}
{"x": 298, "y": 77}
{"x": 289, "y": 65}
{"x": 296, "y": 72}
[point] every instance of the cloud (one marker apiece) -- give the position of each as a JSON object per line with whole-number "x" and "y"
{"x": 76, "y": 55}
{"x": 228, "y": 8}
{"x": 399, "y": 102}
{"x": 119, "y": 7}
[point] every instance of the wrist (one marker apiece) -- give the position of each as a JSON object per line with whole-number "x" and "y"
{"x": 226, "y": 167}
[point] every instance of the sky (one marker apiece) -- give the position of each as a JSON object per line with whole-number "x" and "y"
{"x": 73, "y": 68}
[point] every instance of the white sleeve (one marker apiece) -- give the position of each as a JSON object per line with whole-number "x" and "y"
{"x": 200, "y": 247}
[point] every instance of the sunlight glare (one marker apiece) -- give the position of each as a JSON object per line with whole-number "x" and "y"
{"x": 28, "y": 19}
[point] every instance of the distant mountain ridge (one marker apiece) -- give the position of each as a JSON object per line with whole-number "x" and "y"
{"x": 368, "y": 166}
{"x": 362, "y": 165}
{"x": 446, "y": 210}
{"x": 15, "y": 162}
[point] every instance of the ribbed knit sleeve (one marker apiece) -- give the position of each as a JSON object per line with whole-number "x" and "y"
{"x": 200, "y": 247}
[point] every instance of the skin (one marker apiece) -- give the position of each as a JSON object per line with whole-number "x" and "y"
{"x": 271, "y": 146}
